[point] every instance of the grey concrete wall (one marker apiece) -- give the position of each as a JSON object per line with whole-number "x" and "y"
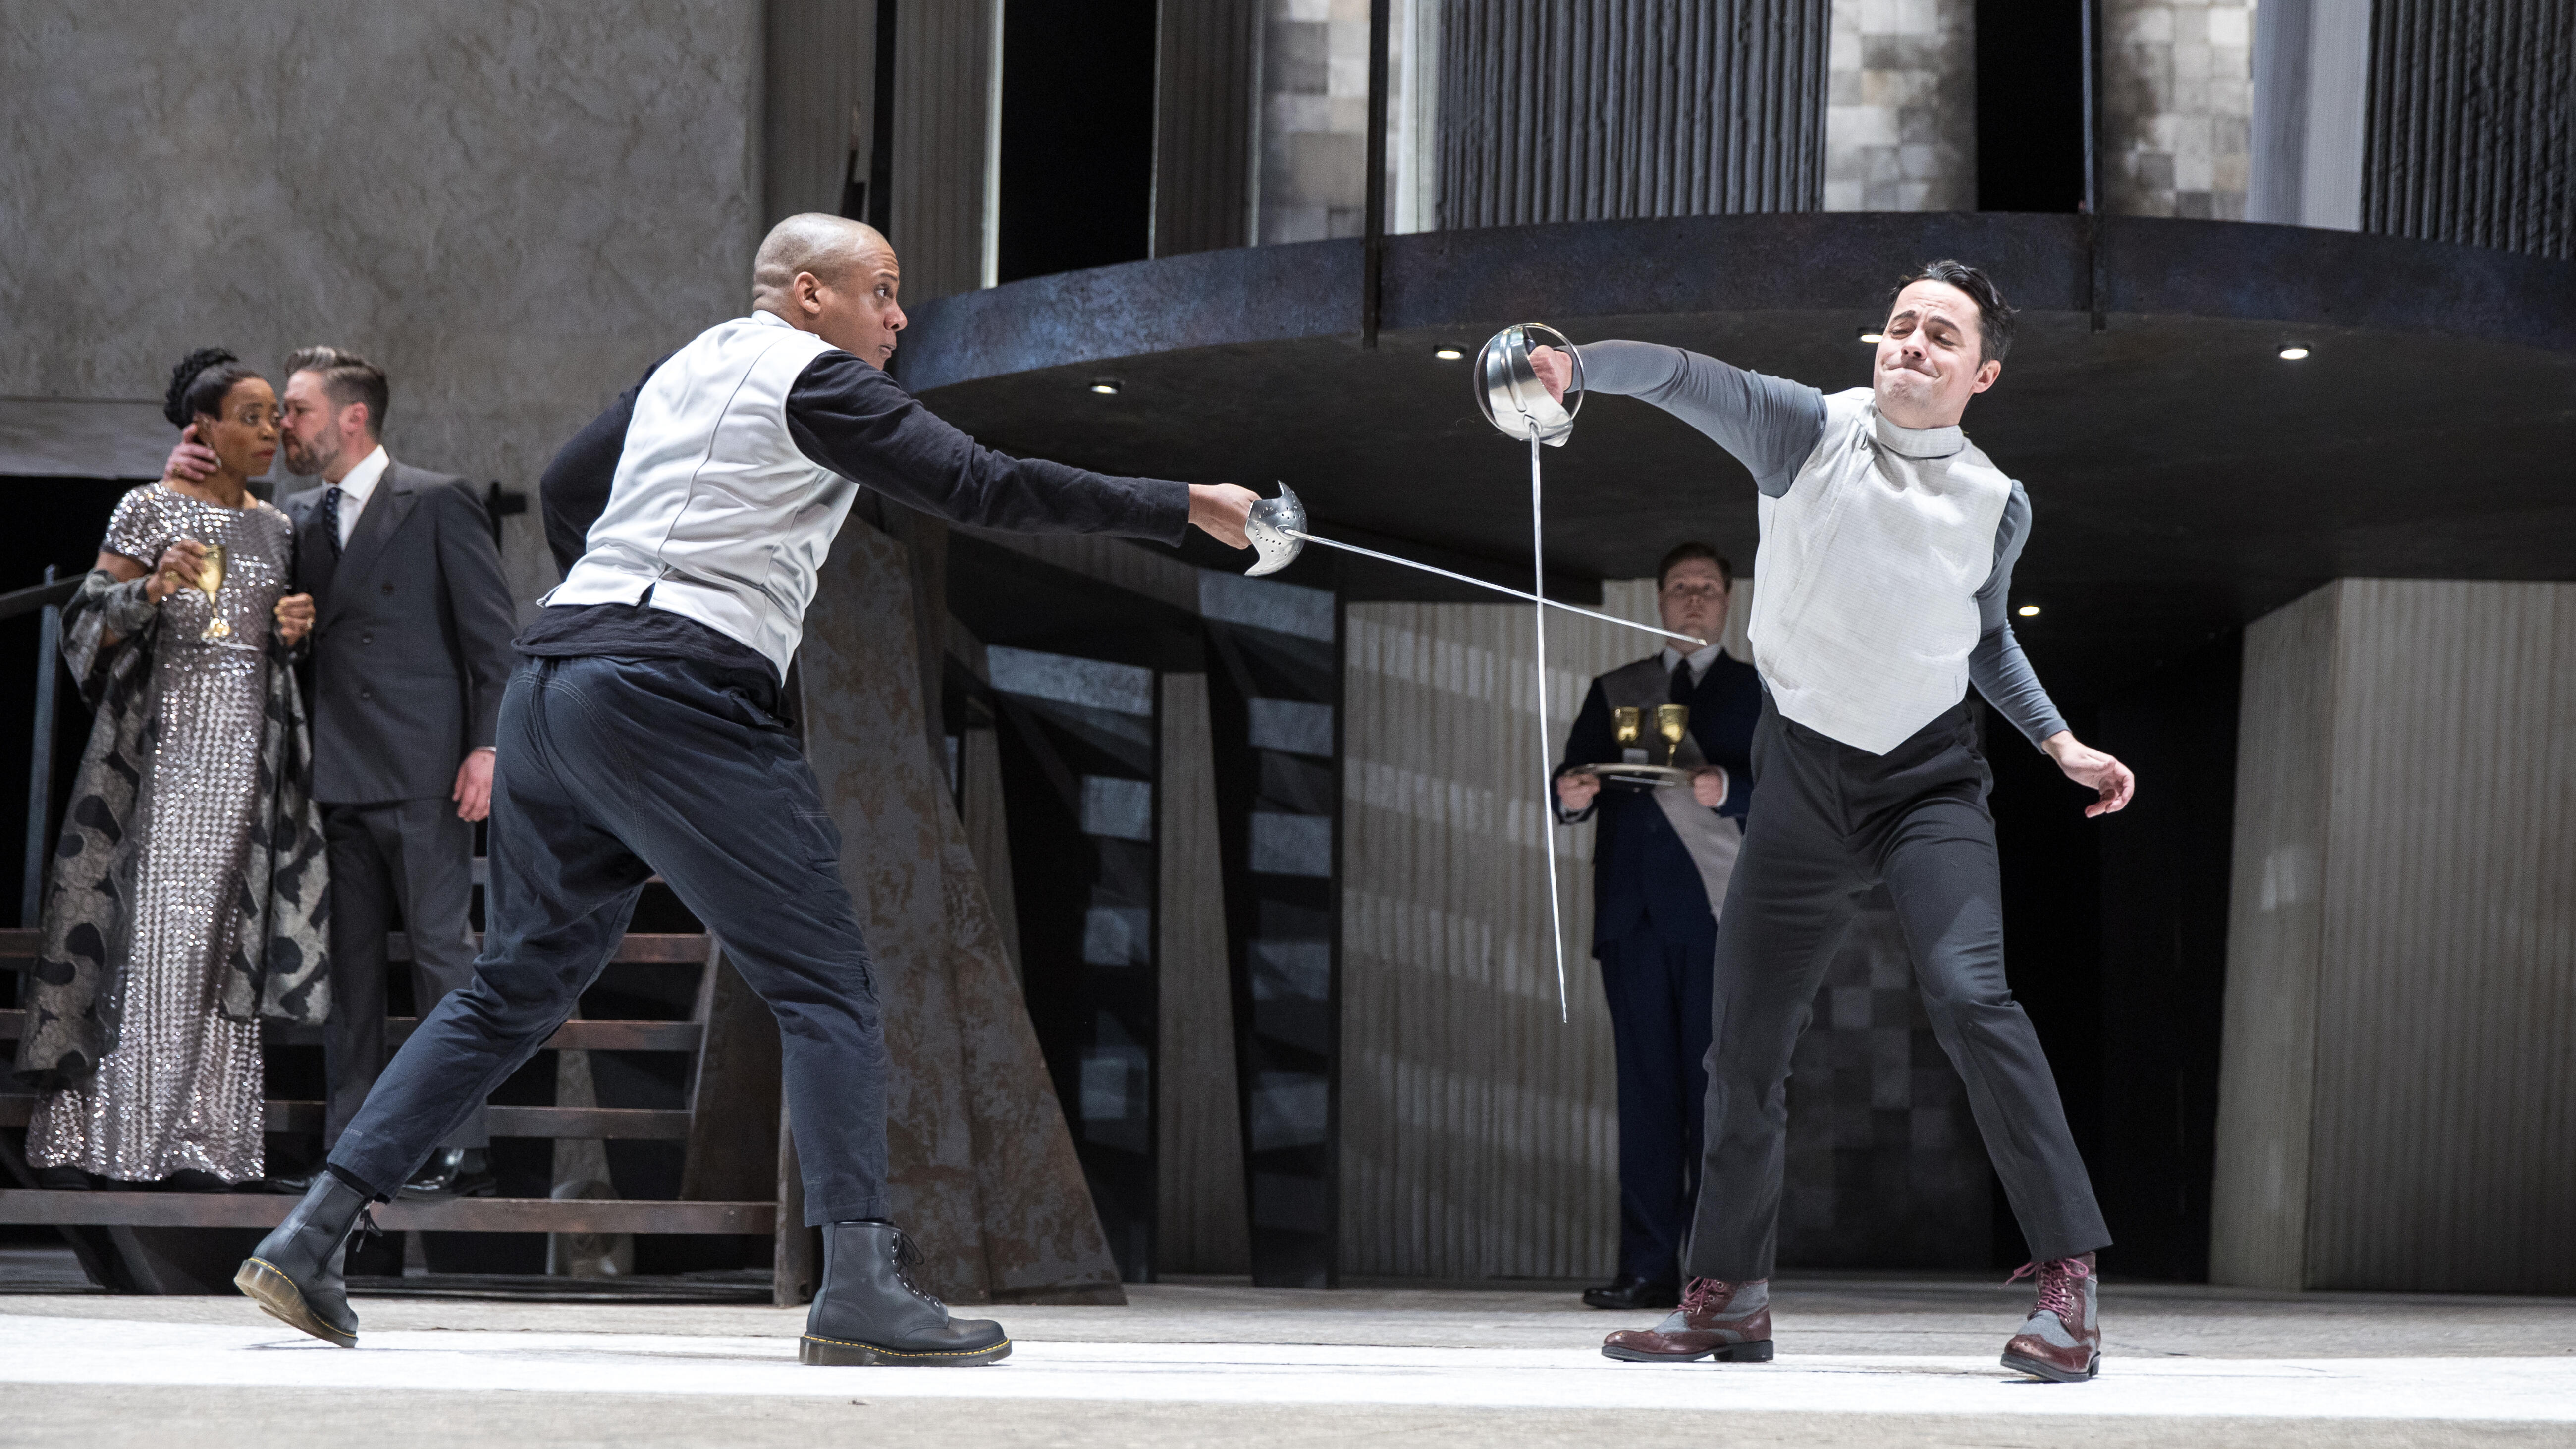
{"x": 1201, "y": 1224}
{"x": 512, "y": 207}
{"x": 2400, "y": 1052}
{"x": 2472, "y": 134}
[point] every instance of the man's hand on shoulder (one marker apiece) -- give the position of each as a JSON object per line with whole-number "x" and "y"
{"x": 1221, "y": 509}
{"x": 190, "y": 461}
{"x": 2111, "y": 781}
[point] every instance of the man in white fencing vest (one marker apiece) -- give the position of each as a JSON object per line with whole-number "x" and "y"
{"x": 643, "y": 734}
{"x": 1888, "y": 543}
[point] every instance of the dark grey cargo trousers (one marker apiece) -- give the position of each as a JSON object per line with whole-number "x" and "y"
{"x": 1829, "y": 822}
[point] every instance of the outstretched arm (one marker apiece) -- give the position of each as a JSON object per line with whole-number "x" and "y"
{"x": 849, "y": 417}
{"x": 1768, "y": 423}
{"x": 2002, "y": 673}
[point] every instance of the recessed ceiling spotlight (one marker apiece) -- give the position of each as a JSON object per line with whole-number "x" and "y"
{"x": 1107, "y": 386}
{"x": 2293, "y": 354}
{"x": 1872, "y": 336}
{"x": 1447, "y": 354}
{"x": 2028, "y": 611}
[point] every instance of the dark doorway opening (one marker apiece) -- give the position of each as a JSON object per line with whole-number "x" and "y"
{"x": 2115, "y": 935}
{"x": 2030, "y": 105}
{"x": 1077, "y": 153}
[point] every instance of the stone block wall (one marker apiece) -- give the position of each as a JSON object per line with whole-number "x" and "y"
{"x": 1901, "y": 108}
{"x": 2177, "y": 107}
{"x": 1314, "y": 119}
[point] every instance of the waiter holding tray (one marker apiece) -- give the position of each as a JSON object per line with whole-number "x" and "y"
{"x": 1662, "y": 749}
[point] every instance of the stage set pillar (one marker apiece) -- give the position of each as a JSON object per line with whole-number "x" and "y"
{"x": 984, "y": 1172}
{"x": 2398, "y": 1067}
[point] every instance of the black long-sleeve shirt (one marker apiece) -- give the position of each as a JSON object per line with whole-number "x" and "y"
{"x": 850, "y": 418}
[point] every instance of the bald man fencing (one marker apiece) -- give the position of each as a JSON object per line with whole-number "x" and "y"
{"x": 643, "y": 734}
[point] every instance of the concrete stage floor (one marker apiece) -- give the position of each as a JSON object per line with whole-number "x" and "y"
{"x": 1868, "y": 1361}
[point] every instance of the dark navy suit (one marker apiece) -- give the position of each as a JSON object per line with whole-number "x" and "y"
{"x": 1656, "y": 939}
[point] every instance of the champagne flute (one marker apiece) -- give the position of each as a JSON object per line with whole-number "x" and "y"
{"x": 210, "y": 579}
{"x": 1670, "y": 721}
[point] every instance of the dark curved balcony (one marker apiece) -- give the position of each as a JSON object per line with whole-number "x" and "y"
{"x": 2184, "y": 476}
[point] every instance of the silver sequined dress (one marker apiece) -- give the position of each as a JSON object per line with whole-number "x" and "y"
{"x": 182, "y": 1088}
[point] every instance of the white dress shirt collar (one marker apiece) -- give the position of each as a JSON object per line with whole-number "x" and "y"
{"x": 1700, "y": 660}
{"x": 356, "y": 486}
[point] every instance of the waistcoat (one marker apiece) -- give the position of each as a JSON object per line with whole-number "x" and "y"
{"x": 714, "y": 509}
{"x": 1864, "y": 600}
{"x": 1712, "y": 839}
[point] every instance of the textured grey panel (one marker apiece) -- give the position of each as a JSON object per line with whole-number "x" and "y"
{"x": 2446, "y": 1010}
{"x": 821, "y": 64}
{"x": 2473, "y": 123}
{"x": 1587, "y": 110}
{"x": 2275, "y": 930}
{"x": 2399, "y": 1065}
{"x": 942, "y": 111}
{"x": 1201, "y": 1224}
{"x": 1203, "y": 125}
{"x": 2311, "y": 92}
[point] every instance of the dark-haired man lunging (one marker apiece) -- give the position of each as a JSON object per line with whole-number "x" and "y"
{"x": 1886, "y": 562}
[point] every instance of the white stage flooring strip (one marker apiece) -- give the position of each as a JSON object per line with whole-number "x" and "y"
{"x": 36, "y": 1350}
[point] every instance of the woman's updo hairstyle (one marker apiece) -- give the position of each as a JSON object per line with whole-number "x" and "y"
{"x": 199, "y": 382}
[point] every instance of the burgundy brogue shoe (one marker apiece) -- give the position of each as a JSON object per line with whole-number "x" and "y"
{"x": 1717, "y": 1320}
{"x": 2062, "y": 1341}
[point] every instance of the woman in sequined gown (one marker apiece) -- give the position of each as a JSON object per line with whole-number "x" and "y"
{"x": 177, "y": 1098}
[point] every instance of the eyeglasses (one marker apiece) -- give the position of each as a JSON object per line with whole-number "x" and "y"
{"x": 1700, "y": 591}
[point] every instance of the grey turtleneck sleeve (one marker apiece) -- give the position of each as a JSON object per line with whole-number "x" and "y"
{"x": 1771, "y": 425}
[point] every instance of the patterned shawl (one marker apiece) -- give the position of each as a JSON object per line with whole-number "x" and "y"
{"x": 278, "y": 967}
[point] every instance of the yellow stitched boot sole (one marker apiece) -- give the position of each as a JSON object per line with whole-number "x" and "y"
{"x": 843, "y": 1352}
{"x": 277, "y": 1295}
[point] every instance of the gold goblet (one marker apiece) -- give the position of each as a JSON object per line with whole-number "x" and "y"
{"x": 210, "y": 579}
{"x": 1624, "y": 724}
{"x": 1670, "y": 721}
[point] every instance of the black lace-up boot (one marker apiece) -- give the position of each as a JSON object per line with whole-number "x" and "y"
{"x": 869, "y": 1311}
{"x": 294, "y": 1273}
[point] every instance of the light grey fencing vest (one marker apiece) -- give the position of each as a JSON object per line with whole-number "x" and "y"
{"x": 1865, "y": 597}
{"x": 715, "y": 509}
{"x": 1712, "y": 839}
